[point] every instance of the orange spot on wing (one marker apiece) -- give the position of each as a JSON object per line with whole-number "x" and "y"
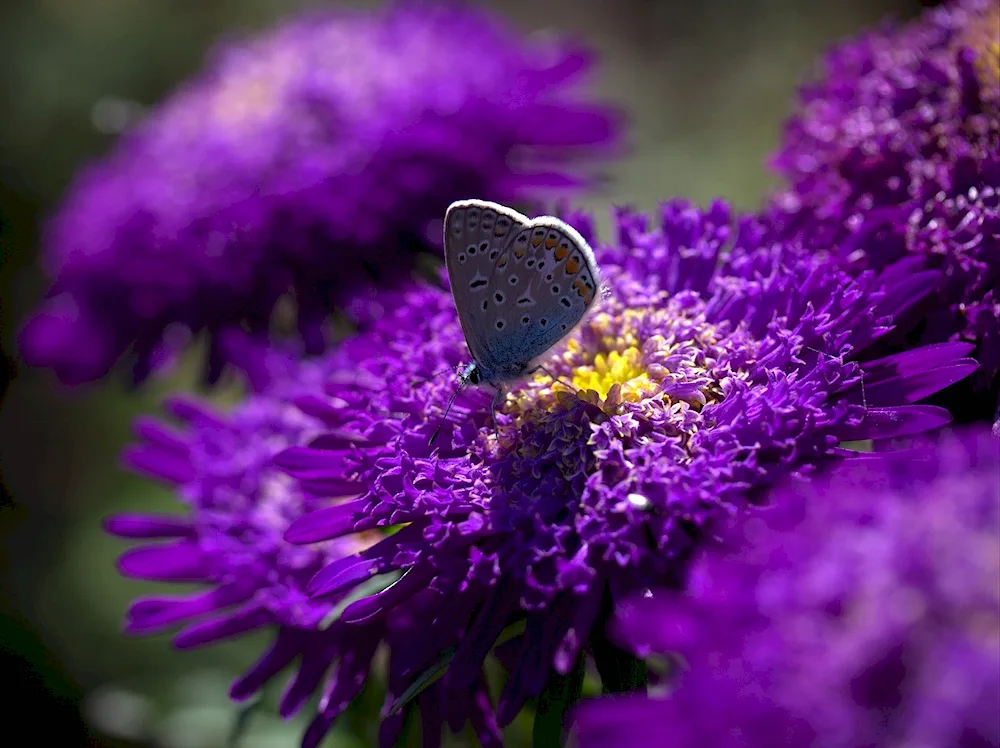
{"x": 535, "y": 241}
{"x": 500, "y": 231}
{"x": 561, "y": 252}
{"x": 502, "y": 261}
{"x": 588, "y": 298}
{"x": 572, "y": 266}
{"x": 551, "y": 242}
{"x": 519, "y": 252}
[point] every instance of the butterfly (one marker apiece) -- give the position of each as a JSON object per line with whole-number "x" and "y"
{"x": 520, "y": 286}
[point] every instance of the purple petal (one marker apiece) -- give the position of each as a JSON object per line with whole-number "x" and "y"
{"x": 157, "y": 613}
{"x": 173, "y": 562}
{"x": 908, "y": 389}
{"x": 341, "y": 574}
{"x": 914, "y": 361}
{"x": 250, "y": 618}
{"x": 159, "y": 463}
{"x": 327, "y": 523}
{"x": 887, "y": 423}
{"x": 149, "y": 526}
{"x": 286, "y": 647}
{"x": 402, "y": 589}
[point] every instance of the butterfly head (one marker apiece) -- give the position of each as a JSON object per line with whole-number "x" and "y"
{"x": 470, "y": 374}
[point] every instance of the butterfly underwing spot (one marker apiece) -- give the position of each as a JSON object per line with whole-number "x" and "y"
{"x": 494, "y": 254}
{"x": 525, "y": 319}
{"x": 488, "y": 218}
{"x": 548, "y": 277}
{"x": 543, "y": 321}
{"x": 551, "y": 240}
{"x": 572, "y": 265}
{"x": 530, "y": 263}
{"x": 537, "y": 237}
{"x": 525, "y": 301}
{"x": 472, "y": 249}
{"x": 555, "y": 290}
{"x": 486, "y": 305}
{"x": 478, "y": 282}
{"x": 565, "y": 302}
{"x": 499, "y": 324}
{"x": 472, "y": 219}
{"x": 499, "y": 297}
{"x": 461, "y": 257}
{"x": 541, "y": 264}
{"x": 513, "y": 280}
{"x": 561, "y": 251}
{"x": 502, "y": 227}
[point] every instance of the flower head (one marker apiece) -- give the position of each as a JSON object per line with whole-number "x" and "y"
{"x": 895, "y": 153}
{"x": 238, "y": 506}
{"x": 694, "y": 385}
{"x": 860, "y": 609}
{"x": 315, "y": 160}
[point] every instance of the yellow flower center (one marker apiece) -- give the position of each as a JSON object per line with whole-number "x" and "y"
{"x": 645, "y": 360}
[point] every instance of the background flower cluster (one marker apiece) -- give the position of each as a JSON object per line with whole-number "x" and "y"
{"x": 749, "y": 477}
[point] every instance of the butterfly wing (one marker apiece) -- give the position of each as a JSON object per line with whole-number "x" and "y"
{"x": 476, "y": 232}
{"x": 541, "y": 286}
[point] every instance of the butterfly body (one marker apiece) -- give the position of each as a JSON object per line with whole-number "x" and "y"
{"x": 520, "y": 286}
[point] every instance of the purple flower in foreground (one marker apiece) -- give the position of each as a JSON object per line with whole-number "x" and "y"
{"x": 316, "y": 159}
{"x": 860, "y": 610}
{"x": 702, "y": 377}
{"x": 230, "y": 539}
{"x": 896, "y": 153}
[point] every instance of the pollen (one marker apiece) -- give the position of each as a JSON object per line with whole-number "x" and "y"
{"x": 623, "y": 369}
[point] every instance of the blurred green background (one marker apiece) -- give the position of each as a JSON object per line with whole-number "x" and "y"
{"x": 707, "y": 85}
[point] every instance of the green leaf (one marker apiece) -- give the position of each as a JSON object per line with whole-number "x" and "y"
{"x": 561, "y": 692}
{"x": 425, "y": 679}
{"x": 367, "y": 588}
{"x": 620, "y": 671}
{"x": 435, "y": 671}
{"x": 241, "y": 723}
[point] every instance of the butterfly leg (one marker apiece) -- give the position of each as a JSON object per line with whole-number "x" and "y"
{"x": 553, "y": 377}
{"x": 497, "y": 399}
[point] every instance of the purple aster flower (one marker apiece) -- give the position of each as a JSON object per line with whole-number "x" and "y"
{"x": 860, "y": 610}
{"x": 896, "y": 153}
{"x": 315, "y": 160}
{"x": 714, "y": 365}
{"x": 231, "y": 536}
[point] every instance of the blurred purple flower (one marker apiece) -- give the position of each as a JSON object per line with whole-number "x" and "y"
{"x": 238, "y": 505}
{"x": 896, "y": 153}
{"x": 860, "y": 610}
{"x": 704, "y": 375}
{"x": 316, "y": 160}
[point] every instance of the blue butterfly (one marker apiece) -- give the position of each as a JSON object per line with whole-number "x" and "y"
{"x": 520, "y": 286}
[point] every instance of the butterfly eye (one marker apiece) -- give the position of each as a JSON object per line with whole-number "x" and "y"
{"x": 543, "y": 321}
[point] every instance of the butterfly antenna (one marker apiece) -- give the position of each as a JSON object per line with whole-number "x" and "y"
{"x": 554, "y": 378}
{"x": 415, "y": 382}
{"x": 447, "y": 410}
